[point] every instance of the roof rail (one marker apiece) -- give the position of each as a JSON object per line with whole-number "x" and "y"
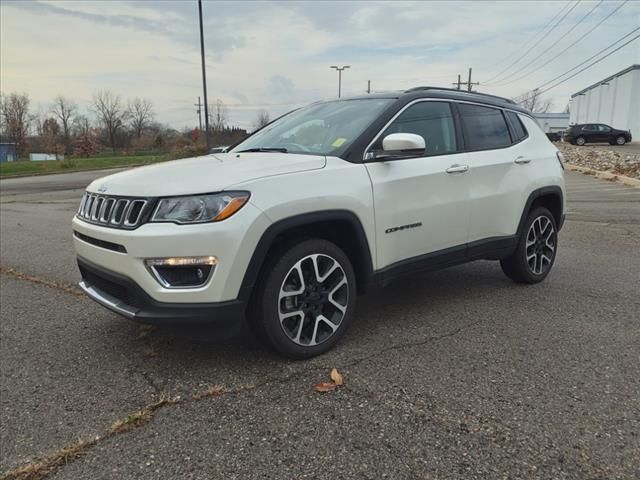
{"x": 417, "y": 89}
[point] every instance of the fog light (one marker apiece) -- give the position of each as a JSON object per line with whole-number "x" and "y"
{"x": 181, "y": 272}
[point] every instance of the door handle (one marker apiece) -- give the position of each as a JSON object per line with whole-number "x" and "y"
{"x": 521, "y": 160}
{"x": 457, "y": 168}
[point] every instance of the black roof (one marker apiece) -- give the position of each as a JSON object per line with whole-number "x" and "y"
{"x": 449, "y": 93}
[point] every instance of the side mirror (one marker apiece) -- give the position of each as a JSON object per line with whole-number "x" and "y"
{"x": 404, "y": 143}
{"x": 400, "y": 145}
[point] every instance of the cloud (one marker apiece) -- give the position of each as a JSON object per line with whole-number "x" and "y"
{"x": 276, "y": 55}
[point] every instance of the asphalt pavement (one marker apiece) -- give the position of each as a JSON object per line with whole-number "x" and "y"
{"x": 448, "y": 375}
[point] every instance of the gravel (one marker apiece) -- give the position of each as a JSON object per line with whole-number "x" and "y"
{"x": 621, "y": 163}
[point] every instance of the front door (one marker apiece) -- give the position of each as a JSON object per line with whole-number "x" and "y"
{"x": 421, "y": 204}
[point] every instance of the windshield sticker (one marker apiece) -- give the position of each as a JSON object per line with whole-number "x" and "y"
{"x": 338, "y": 142}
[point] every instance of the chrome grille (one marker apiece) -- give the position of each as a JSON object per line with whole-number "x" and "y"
{"x": 114, "y": 212}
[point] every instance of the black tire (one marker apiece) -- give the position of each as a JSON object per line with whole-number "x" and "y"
{"x": 620, "y": 140}
{"x": 580, "y": 141}
{"x": 517, "y": 267}
{"x": 313, "y": 302}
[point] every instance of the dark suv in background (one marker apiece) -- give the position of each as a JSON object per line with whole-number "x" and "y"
{"x": 596, "y": 133}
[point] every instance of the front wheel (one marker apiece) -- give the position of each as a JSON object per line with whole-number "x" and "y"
{"x": 536, "y": 250}
{"x": 621, "y": 140}
{"x": 306, "y": 299}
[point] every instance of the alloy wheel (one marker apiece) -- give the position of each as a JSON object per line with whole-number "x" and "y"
{"x": 541, "y": 245}
{"x": 620, "y": 140}
{"x": 313, "y": 299}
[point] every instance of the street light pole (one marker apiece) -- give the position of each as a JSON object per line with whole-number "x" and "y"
{"x": 339, "y": 70}
{"x": 204, "y": 79}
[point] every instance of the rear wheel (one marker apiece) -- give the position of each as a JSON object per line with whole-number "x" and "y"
{"x": 536, "y": 250}
{"x": 620, "y": 140}
{"x": 306, "y": 299}
{"x": 580, "y": 141}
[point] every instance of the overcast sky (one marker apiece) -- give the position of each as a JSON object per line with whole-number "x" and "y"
{"x": 276, "y": 55}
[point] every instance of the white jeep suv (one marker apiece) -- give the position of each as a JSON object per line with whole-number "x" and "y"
{"x": 320, "y": 205}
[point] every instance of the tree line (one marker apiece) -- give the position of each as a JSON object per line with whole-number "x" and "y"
{"x": 116, "y": 125}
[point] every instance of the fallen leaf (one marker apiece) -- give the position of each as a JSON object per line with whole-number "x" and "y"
{"x": 337, "y": 377}
{"x": 324, "y": 387}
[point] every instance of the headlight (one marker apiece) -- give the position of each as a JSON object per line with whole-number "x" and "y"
{"x": 199, "y": 208}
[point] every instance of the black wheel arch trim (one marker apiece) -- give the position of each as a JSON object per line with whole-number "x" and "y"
{"x": 538, "y": 193}
{"x": 272, "y": 232}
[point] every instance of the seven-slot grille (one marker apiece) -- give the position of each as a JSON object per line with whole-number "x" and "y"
{"x": 114, "y": 212}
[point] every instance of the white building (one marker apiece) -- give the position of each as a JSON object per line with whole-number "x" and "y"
{"x": 614, "y": 101}
{"x": 552, "y": 122}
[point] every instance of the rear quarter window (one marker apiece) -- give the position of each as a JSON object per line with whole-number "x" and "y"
{"x": 484, "y": 127}
{"x": 519, "y": 131}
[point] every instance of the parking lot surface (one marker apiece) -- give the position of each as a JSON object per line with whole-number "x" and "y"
{"x": 453, "y": 374}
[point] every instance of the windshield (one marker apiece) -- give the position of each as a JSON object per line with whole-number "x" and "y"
{"x": 322, "y": 128}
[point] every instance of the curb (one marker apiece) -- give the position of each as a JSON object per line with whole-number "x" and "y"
{"x": 632, "y": 182}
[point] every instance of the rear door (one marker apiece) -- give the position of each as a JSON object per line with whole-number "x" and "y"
{"x": 421, "y": 204}
{"x": 497, "y": 170}
{"x": 590, "y": 133}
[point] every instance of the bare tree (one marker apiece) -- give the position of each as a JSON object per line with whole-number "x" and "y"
{"x": 14, "y": 110}
{"x": 110, "y": 113}
{"x": 64, "y": 110}
{"x": 533, "y": 101}
{"x": 262, "y": 120}
{"x": 51, "y": 134}
{"x": 140, "y": 113}
{"x": 219, "y": 117}
{"x": 81, "y": 125}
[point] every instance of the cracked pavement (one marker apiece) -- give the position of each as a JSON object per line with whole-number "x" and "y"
{"x": 452, "y": 374}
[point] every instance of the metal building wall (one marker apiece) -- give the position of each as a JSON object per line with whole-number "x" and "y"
{"x": 614, "y": 101}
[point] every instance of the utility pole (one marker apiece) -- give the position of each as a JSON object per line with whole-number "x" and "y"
{"x": 458, "y": 83}
{"x": 368, "y": 86}
{"x": 204, "y": 78}
{"x": 468, "y": 83}
{"x": 339, "y": 70}
{"x": 199, "y": 112}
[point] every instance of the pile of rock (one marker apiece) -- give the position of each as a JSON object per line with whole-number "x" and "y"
{"x": 603, "y": 159}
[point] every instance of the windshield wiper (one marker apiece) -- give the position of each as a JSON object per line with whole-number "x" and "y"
{"x": 265, "y": 149}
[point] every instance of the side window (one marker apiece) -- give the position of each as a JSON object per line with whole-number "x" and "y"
{"x": 518, "y": 128}
{"x": 589, "y": 128}
{"x": 484, "y": 127}
{"x": 604, "y": 128}
{"x": 433, "y": 121}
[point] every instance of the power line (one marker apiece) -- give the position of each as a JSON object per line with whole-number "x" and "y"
{"x": 502, "y": 82}
{"x": 591, "y": 64}
{"x": 540, "y": 40}
{"x": 592, "y": 57}
{"x": 526, "y": 42}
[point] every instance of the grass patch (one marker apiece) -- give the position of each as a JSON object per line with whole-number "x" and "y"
{"x": 26, "y": 167}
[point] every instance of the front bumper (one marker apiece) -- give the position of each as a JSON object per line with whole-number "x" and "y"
{"x": 124, "y": 252}
{"x": 125, "y": 297}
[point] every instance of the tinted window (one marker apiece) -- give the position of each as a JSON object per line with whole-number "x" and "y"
{"x": 433, "y": 121}
{"x": 589, "y": 127}
{"x": 604, "y": 128}
{"x": 518, "y": 129}
{"x": 484, "y": 127}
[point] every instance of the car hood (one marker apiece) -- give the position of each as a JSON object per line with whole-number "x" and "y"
{"x": 210, "y": 173}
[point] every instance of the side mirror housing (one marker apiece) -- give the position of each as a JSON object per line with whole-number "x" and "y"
{"x": 399, "y": 145}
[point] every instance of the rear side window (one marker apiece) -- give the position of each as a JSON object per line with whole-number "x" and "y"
{"x": 433, "y": 121}
{"x": 484, "y": 127}
{"x": 520, "y": 133}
